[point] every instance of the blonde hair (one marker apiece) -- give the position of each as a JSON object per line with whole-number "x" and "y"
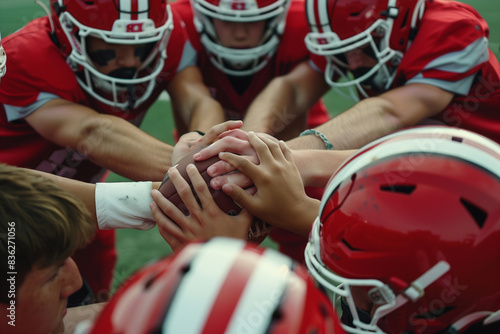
{"x": 44, "y": 222}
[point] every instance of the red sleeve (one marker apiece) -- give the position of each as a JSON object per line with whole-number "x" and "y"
{"x": 36, "y": 69}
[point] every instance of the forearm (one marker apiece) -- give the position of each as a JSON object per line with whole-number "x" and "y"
{"x": 285, "y": 101}
{"x": 82, "y": 190}
{"x": 366, "y": 121}
{"x": 111, "y": 205}
{"x": 193, "y": 106}
{"x": 303, "y": 218}
{"x": 206, "y": 114}
{"x": 115, "y": 144}
{"x": 273, "y": 109}
{"x": 317, "y": 166}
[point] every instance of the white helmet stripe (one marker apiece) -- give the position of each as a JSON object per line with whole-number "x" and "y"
{"x": 143, "y": 9}
{"x": 193, "y": 301}
{"x": 319, "y": 7}
{"x": 258, "y": 300}
{"x": 125, "y": 9}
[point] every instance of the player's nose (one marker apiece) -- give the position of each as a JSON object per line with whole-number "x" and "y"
{"x": 355, "y": 59}
{"x": 70, "y": 278}
{"x": 126, "y": 57}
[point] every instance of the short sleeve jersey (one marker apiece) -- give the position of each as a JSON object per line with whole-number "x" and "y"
{"x": 37, "y": 70}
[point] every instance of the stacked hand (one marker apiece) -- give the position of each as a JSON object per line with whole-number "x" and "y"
{"x": 246, "y": 159}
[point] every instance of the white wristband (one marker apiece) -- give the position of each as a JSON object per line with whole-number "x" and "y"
{"x": 124, "y": 205}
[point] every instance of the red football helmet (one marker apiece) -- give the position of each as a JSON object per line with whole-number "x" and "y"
{"x": 408, "y": 233}
{"x": 221, "y": 286}
{"x": 145, "y": 23}
{"x": 240, "y": 62}
{"x": 3, "y": 59}
{"x": 383, "y": 29}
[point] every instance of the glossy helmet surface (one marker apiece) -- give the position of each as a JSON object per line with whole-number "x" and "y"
{"x": 240, "y": 62}
{"x": 221, "y": 286}
{"x": 411, "y": 224}
{"x": 382, "y": 28}
{"x": 129, "y": 22}
{"x": 3, "y": 59}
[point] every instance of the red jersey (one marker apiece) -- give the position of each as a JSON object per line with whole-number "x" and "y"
{"x": 450, "y": 51}
{"x": 291, "y": 51}
{"x": 38, "y": 68}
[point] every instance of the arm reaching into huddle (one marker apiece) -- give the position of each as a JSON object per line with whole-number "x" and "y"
{"x": 280, "y": 199}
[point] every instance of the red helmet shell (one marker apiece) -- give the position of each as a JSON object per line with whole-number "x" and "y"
{"x": 407, "y": 202}
{"x": 348, "y": 18}
{"x": 91, "y": 14}
{"x": 223, "y": 285}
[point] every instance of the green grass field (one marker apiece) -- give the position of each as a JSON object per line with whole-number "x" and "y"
{"x": 138, "y": 247}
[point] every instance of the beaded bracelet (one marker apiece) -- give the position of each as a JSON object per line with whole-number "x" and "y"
{"x": 325, "y": 140}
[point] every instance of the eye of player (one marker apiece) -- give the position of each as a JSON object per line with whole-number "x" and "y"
{"x": 143, "y": 51}
{"x": 102, "y": 57}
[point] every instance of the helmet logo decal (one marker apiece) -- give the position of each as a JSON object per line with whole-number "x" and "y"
{"x": 322, "y": 40}
{"x": 238, "y": 5}
{"x": 135, "y": 27}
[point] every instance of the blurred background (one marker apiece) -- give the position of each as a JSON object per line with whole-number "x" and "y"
{"x": 135, "y": 247}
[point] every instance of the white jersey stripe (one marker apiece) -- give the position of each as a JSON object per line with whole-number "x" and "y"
{"x": 125, "y": 9}
{"x": 262, "y": 294}
{"x": 193, "y": 300}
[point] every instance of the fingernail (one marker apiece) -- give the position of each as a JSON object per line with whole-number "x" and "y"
{"x": 215, "y": 183}
{"x": 197, "y": 156}
{"x": 227, "y": 188}
{"x": 211, "y": 170}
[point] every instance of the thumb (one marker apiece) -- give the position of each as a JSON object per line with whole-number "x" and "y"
{"x": 238, "y": 195}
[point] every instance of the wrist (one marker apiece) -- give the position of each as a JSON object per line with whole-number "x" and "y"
{"x": 300, "y": 160}
{"x": 124, "y": 205}
{"x": 320, "y": 136}
{"x": 201, "y": 133}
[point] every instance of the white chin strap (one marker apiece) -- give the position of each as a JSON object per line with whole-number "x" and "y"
{"x": 489, "y": 318}
{"x": 415, "y": 291}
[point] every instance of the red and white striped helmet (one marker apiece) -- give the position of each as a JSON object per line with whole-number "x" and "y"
{"x": 131, "y": 22}
{"x": 221, "y": 286}
{"x": 240, "y": 62}
{"x": 383, "y": 28}
{"x": 407, "y": 236}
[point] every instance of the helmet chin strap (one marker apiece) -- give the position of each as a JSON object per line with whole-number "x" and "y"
{"x": 415, "y": 291}
{"x": 489, "y": 318}
{"x": 52, "y": 27}
{"x": 493, "y": 317}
